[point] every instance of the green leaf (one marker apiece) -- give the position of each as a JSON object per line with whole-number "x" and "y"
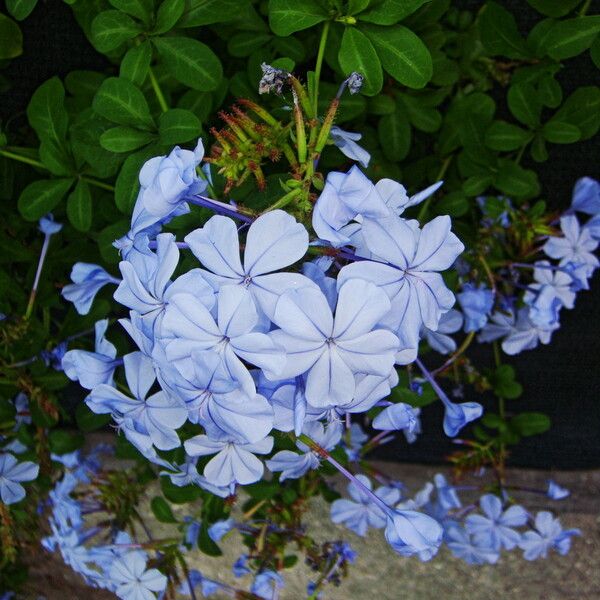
{"x": 119, "y": 101}
{"x": 524, "y": 104}
{"x": 425, "y": 118}
{"x": 389, "y": 12}
{"x": 169, "y": 12}
{"x": 20, "y": 9}
{"x": 499, "y": 33}
{"x": 582, "y": 109}
{"x": 142, "y": 9}
{"x": 179, "y": 495}
{"x": 127, "y": 184}
{"x": 136, "y": 62}
{"x": 357, "y": 54}
{"x": 46, "y": 111}
{"x": 206, "y": 544}
{"x": 504, "y": 384}
{"x": 356, "y": 6}
{"x": 40, "y": 197}
{"x": 178, "y": 125}
{"x": 191, "y": 62}
{"x": 394, "y": 135}
{"x": 403, "y": 55}
{"x": 595, "y": 52}
{"x": 381, "y": 105}
{"x": 55, "y": 158}
{"x": 89, "y": 421}
{"x": 11, "y": 38}
{"x": 571, "y": 37}
{"x": 454, "y": 204}
{"x": 561, "y": 133}
{"x": 538, "y": 149}
{"x": 477, "y": 184}
{"x": 112, "y": 28}
{"x": 207, "y": 12}
{"x": 549, "y": 92}
{"x": 505, "y": 136}
{"x": 514, "y": 180}
{"x": 554, "y": 8}
{"x": 79, "y": 206}
{"x": 288, "y": 16}
{"x": 63, "y": 442}
{"x": 530, "y": 423}
{"x": 245, "y": 43}
{"x": 125, "y": 139}
{"x": 162, "y": 510}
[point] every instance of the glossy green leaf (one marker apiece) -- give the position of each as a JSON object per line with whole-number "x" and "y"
{"x": 11, "y": 39}
{"x": 41, "y": 197}
{"x": 136, "y": 63}
{"x": 79, "y": 207}
{"x": 56, "y": 160}
{"x": 125, "y": 139}
{"x": 582, "y": 109}
{"x": 425, "y": 118}
{"x": 190, "y": 62}
{"x": 246, "y": 42}
{"x": 112, "y": 28}
{"x": 169, "y": 12}
{"x": 505, "y": 136}
{"x": 389, "y": 12}
{"x": 162, "y": 510}
{"x": 499, "y": 33}
{"x": 63, "y": 442}
{"x": 357, "y": 54}
{"x": 403, "y": 55}
{"x": 141, "y": 9}
{"x": 127, "y": 184}
{"x": 206, "y": 12}
{"x": 357, "y": 6}
{"x": 178, "y": 125}
{"x": 513, "y": 180}
{"x": 530, "y": 423}
{"x": 571, "y": 37}
{"x": 394, "y": 135}
{"x": 46, "y": 111}
{"x": 595, "y": 51}
{"x": 524, "y": 104}
{"x": 20, "y": 9}
{"x": 554, "y": 8}
{"x": 558, "y": 132}
{"x": 538, "y": 149}
{"x": 89, "y": 421}
{"x": 119, "y": 101}
{"x": 288, "y": 16}
{"x": 477, "y": 184}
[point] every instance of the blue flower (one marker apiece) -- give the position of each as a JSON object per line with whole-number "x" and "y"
{"x": 361, "y": 512}
{"x": 265, "y": 583}
{"x": 88, "y": 279}
{"x": 462, "y": 546}
{"x": 346, "y": 142}
{"x": 188, "y": 325}
{"x": 593, "y": 227}
{"x": 234, "y": 462}
{"x": 476, "y": 304}
{"x": 395, "y": 417}
{"x": 408, "y": 273}
{"x": 410, "y": 532}
{"x": 446, "y": 494}
{"x": 274, "y": 241}
{"x": 586, "y": 196}
{"x": 560, "y": 282}
{"x": 330, "y": 350}
{"x": 576, "y": 245}
{"x": 240, "y": 566}
{"x": 315, "y": 271}
{"x": 495, "y": 529}
{"x": 548, "y": 535}
{"x": 357, "y": 438}
{"x": 556, "y": 492}
{"x": 544, "y": 306}
{"x": 218, "y": 529}
{"x": 133, "y": 581}
{"x": 12, "y": 473}
{"x": 293, "y": 465}
{"x": 48, "y": 226}
{"x": 526, "y": 335}
{"x": 156, "y": 416}
{"x": 439, "y": 340}
{"x": 92, "y": 368}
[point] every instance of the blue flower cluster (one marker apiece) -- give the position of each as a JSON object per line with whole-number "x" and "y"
{"x": 246, "y": 343}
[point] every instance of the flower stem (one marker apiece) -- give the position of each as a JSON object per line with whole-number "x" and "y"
{"x": 434, "y": 384}
{"x": 157, "y": 91}
{"x": 441, "y": 173}
{"x": 466, "y": 343}
{"x": 38, "y": 274}
{"x": 319, "y": 63}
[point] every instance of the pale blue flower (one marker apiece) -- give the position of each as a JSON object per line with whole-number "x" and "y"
{"x": 240, "y": 566}
{"x": 439, "y": 340}
{"x": 157, "y": 416}
{"x": 410, "y": 532}
{"x": 133, "y": 581}
{"x": 315, "y": 271}
{"x": 93, "y": 368}
{"x": 446, "y": 494}
{"x": 548, "y": 535}
{"x": 48, "y": 226}
{"x": 275, "y": 240}
{"x": 346, "y": 142}
{"x": 293, "y": 465}
{"x": 218, "y": 529}
{"x": 526, "y": 335}
{"x": 188, "y": 326}
{"x": 195, "y": 578}
{"x": 408, "y": 273}
{"x": 12, "y": 474}
{"x": 496, "y": 529}
{"x": 544, "y": 306}
{"x": 476, "y": 304}
{"x": 556, "y": 492}
{"x": 332, "y": 349}
{"x": 586, "y": 196}
{"x": 361, "y": 512}
{"x": 234, "y": 462}
{"x": 560, "y": 282}
{"x": 461, "y": 544}
{"x": 88, "y": 279}
{"x": 395, "y": 417}
{"x": 593, "y": 227}
{"x": 265, "y": 584}
{"x": 357, "y": 439}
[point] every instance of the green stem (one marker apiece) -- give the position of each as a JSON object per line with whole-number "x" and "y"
{"x": 284, "y": 200}
{"x": 584, "y": 8}
{"x": 157, "y": 91}
{"x": 319, "y": 63}
{"x": 98, "y": 184}
{"x": 521, "y": 151}
{"x": 441, "y": 173}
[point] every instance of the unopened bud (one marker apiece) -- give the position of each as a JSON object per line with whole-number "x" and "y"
{"x": 273, "y": 79}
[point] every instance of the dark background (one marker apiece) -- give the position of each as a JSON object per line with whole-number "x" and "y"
{"x": 561, "y": 379}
